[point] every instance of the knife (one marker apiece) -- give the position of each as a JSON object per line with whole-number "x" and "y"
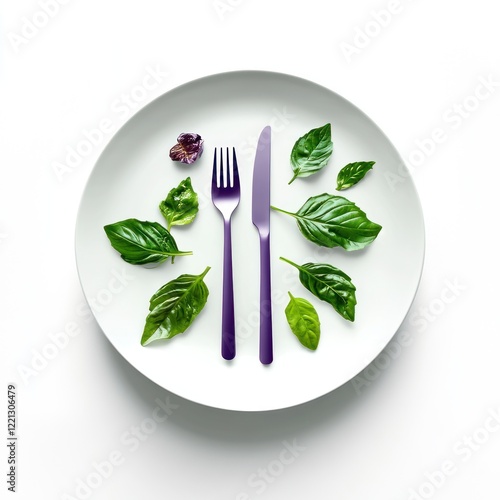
{"x": 261, "y": 201}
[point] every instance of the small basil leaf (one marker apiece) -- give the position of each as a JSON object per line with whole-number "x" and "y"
{"x": 304, "y": 321}
{"x": 175, "y": 306}
{"x": 181, "y": 205}
{"x": 332, "y": 221}
{"x": 311, "y": 152}
{"x": 352, "y": 173}
{"x": 329, "y": 284}
{"x": 142, "y": 242}
{"x": 188, "y": 149}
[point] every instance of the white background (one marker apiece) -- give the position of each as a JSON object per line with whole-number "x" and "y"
{"x": 420, "y": 405}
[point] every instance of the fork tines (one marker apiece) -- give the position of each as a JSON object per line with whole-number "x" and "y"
{"x": 223, "y": 176}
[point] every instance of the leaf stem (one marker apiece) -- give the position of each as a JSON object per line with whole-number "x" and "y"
{"x": 176, "y": 254}
{"x": 204, "y": 273}
{"x": 293, "y": 178}
{"x": 290, "y": 262}
{"x": 282, "y": 211}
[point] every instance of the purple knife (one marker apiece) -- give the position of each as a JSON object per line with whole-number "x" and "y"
{"x": 261, "y": 201}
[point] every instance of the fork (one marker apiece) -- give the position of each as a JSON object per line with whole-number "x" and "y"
{"x": 226, "y": 197}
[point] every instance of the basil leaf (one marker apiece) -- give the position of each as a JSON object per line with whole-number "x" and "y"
{"x": 188, "y": 149}
{"x": 142, "y": 242}
{"x": 311, "y": 152}
{"x": 329, "y": 284}
{"x": 352, "y": 173}
{"x": 304, "y": 321}
{"x": 174, "y": 307}
{"x": 181, "y": 205}
{"x": 332, "y": 221}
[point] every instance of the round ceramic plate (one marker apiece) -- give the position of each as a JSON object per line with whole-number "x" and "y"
{"x": 134, "y": 173}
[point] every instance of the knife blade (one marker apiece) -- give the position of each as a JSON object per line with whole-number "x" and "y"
{"x": 261, "y": 213}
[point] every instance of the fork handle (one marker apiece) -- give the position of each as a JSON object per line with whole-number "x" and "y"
{"x": 228, "y": 331}
{"x": 266, "y": 326}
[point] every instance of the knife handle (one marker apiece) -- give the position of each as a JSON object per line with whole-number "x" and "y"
{"x": 266, "y": 326}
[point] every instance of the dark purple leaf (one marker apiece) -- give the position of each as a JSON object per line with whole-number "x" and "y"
{"x": 188, "y": 148}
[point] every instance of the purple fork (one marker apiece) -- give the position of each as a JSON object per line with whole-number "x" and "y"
{"x": 226, "y": 196}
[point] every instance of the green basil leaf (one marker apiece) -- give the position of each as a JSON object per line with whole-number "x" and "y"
{"x": 332, "y": 221}
{"x": 352, "y": 173}
{"x": 329, "y": 284}
{"x": 142, "y": 242}
{"x": 174, "y": 307}
{"x": 181, "y": 205}
{"x": 311, "y": 152}
{"x": 304, "y": 321}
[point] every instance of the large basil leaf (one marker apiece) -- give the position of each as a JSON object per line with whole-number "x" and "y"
{"x": 329, "y": 284}
{"x": 311, "y": 152}
{"x": 181, "y": 205}
{"x": 332, "y": 221}
{"x": 142, "y": 242}
{"x": 352, "y": 173}
{"x": 174, "y": 307}
{"x": 304, "y": 321}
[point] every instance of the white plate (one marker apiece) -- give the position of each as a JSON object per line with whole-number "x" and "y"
{"x": 134, "y": 173}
